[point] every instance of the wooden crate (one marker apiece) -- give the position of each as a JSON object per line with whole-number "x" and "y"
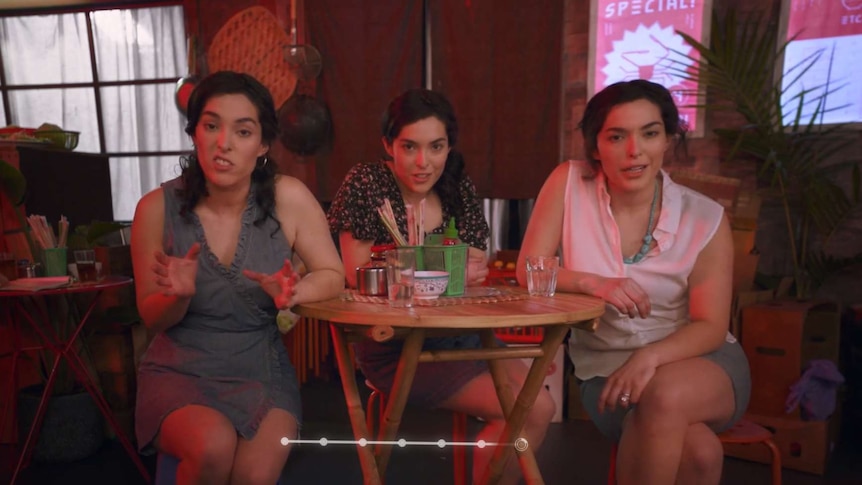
{"x": 780, "y": 338}
{"x": 804, "y": 445}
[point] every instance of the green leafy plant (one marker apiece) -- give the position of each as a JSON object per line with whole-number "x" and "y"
{"x": 798, "y": 157}
{"x": 14, "y": 186}
{"x": 87, "y": 236}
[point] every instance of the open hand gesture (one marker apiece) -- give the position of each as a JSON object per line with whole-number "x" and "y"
{"x": 176, "y": 275}
{"x": 281, "y": 285}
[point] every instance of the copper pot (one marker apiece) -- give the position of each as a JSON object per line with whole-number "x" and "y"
{"x": 371, "y": 280}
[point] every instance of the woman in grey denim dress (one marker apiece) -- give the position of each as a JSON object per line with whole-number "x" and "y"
{"x": 211, "y": 253}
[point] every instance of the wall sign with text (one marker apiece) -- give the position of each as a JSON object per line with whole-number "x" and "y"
{"x": 637, "y": 39}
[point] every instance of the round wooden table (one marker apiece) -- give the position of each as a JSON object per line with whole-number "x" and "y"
{"x": 350, "y": 319}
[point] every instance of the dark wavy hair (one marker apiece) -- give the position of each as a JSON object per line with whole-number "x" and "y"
{"x": 601, "y": 104}
{"x": 263, "y": 176}
{"x": 417, "y": 104}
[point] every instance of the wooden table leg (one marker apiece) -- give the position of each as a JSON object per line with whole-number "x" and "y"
{"x": 401, "y": 385}
{"x": 516, "y": 414}
{"x": 354, "y": 405}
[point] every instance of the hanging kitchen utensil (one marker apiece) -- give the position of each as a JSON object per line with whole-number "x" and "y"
{"x": 187, "y": 83}
{"x": 306, "y": 125}
{"x": 304, "y": 59}
{"x": 251, "y": 42}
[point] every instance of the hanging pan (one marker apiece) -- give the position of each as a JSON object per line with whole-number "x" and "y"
{"x": 304, "y": 59}
{"x": 306, "y": 125}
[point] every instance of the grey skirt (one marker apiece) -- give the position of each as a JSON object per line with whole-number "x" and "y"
{"x": 730, "y": 357}
{"x": 434, "y": 381}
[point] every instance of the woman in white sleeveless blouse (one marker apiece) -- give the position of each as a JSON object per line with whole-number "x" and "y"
{"x": 662, "y": 374}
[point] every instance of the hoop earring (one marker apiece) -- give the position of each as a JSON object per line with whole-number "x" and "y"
{"x": 265, "y": 161}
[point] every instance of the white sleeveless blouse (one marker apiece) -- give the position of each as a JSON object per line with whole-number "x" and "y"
{"x": 591, "y": 243}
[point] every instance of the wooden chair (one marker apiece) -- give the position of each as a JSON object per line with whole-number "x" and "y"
{"x": 459, "y": 431}
{"x": 743, "y": 432}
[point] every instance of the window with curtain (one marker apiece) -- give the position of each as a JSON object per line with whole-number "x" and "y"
{"x": 108, "y": 74}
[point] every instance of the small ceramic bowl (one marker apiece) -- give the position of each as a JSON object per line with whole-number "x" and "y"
{"x": 430, "y": 284}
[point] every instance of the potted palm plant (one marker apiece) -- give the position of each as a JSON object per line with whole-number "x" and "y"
{"x": 800, "y": 161}
{"x": 72, "y": 427}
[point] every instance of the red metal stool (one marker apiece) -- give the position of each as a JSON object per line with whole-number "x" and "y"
{"x": 743, "y": 432}
{"x": 747, "y": 432}
{"x": 459, "y": 431}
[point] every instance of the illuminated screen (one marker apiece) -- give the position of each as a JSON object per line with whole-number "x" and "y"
{"x": 637, "y": 39}
{"x": 834, "y": 29}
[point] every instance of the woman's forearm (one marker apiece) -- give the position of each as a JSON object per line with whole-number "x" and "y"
{"x": 319, "y": 285}
{"x": 577, "y": 282}
{"x": 160, "y": 312}
{"x": 692, "y": 340}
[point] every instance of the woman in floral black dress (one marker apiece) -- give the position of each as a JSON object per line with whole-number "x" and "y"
{"x": 419, "y": 131}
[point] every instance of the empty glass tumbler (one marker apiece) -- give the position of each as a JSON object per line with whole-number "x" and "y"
{"x": 542, "y": 275}
{"x": 400, "y": 270}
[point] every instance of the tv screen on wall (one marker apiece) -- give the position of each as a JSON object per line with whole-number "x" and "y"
{"x": 827, "y": 34}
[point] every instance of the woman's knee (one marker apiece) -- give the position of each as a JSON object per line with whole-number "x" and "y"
{"x": 659, "y": 402}
{"x": 209, "y": 448}
{"x": 216, "y": 451}
{"x": 256, "y": 475}
{"x": 702, "y": 450}
{"x": 543, "y": 409}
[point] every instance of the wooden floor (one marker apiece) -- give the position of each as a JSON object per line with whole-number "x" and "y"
{"x": 573, "y": 453}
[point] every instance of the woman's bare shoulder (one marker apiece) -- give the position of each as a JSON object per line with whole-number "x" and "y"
{"x": 153, "y": 202}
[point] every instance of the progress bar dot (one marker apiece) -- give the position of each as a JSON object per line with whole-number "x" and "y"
{"x": 521, "y": 444}
{"x": 285, "y": 441}
{"x": 363, "y": 442}
{"x": 480, "y": 443}
{"x": 402, "y": 442}
{"x": 441, "y": 443}
{"x": 323, "y": 441}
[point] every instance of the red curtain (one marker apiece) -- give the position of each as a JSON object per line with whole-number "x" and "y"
{"x": 499, "y": 62}
{"x": 371, "y": 51}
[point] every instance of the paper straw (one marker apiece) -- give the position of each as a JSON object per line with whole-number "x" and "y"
{"x": 64, "y": 231}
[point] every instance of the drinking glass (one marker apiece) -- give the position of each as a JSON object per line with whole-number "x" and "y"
{"x": 400, "y": 269}
{"x": 542, "y": 275}
{"x": 85, "y": 260}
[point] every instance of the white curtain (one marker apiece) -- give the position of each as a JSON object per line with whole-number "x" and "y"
{"x": 130, "y": 44}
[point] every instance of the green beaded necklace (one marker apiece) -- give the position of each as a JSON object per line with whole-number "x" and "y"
{"x": 648, "y": 237}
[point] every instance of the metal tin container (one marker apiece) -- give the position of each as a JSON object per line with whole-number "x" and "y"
{"x": 371, "y": 280}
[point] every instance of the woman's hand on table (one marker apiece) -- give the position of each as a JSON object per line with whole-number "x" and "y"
{"x": 477, "y": 266}
{"x": 625, "y": 386}
{"x": 176, "y": 276}
{"x": 623, "y": 293}
{"x": 281, "y": 285}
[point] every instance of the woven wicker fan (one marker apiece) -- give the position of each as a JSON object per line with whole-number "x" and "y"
{"x": 252, "y": 42}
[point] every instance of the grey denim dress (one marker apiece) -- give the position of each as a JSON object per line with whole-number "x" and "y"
{"x": 226, "y": 353}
